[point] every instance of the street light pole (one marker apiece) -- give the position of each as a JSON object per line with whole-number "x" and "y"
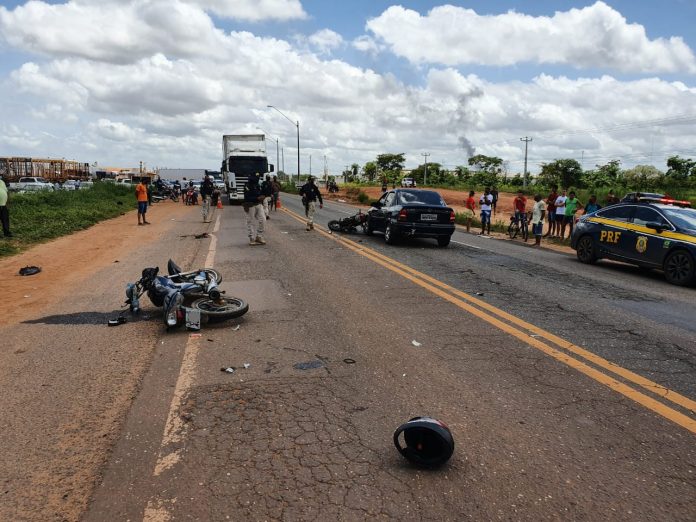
{"x": 524, "y": 176}
{"x": 425, "y": 173}
{"x": 297, "y": 124}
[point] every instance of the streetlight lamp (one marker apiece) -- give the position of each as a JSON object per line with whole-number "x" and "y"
{"x": 296, "y": 124}
{"x": 425, "y": 172}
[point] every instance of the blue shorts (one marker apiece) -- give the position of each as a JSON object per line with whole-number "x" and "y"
{"x": 552, "y": 216}
{"x": 142, "y": 207}
{"x": 485, "y": 216}
{"x": 537, "y": 229}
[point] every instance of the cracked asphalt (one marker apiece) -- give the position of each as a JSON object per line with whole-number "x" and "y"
{"x": 535, "y": 439}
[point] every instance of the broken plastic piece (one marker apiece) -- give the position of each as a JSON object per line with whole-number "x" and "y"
{"x": 349, "y": 361}
{"x": 229, "y": 369}
{"x": 247, "y": 366}
{"x": 479, "y": 293}
{"x": 428, "y": 442}
{"x": 308, "y": 365}
{"x": 236, "y": 328}
{"x": 117, "y": 321}
{"x": 415, "y": 343}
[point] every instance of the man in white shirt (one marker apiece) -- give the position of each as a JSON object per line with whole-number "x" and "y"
{"x": 560, "y": 210}
{"x": 486, "y": 204}
{"x": 538, "y": 213}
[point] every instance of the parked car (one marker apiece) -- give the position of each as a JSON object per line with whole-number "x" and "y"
{"x": 30, "y": 183}
{"x": 651, "y": 233}
{"x": 408, "y": 182}
{"x": 411, "y": 213}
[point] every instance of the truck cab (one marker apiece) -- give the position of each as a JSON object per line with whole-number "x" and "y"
{"x": 243, "y": 155}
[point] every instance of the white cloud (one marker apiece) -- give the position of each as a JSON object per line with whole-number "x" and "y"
{"x": 367, "y": 44}
{"x": 325, "y": 41}
{"x": 254, "y": 10}
{"x": 13, "y": 136}
{"x": 114, "y": 130}
{"x": 592, "y": 37}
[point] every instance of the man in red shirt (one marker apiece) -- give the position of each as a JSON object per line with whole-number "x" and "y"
{"x": 470, "y": 209}
{"x": 521, "y": 208}
{"x": 551, "y": 212}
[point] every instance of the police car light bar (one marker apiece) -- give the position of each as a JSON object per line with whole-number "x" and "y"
{"x": 666, "y": 201}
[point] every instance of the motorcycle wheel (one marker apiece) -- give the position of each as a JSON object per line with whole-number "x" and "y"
{"x": 334, "y": 225}
{"x": 225, "y": 308}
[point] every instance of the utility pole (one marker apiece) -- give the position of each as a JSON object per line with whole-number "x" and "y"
{"x": 310, "y": 164}
{"x": 524, "y": 176}
{"x": 425, "y": 172}
{"x": 282, "y": 155}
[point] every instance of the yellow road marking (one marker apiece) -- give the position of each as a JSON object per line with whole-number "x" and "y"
{"x": 431, "y": 284}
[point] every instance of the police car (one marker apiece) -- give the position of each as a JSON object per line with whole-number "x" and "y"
{"x": 646, "y": 231}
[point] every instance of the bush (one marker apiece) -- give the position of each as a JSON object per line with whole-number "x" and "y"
{"x": 363, "y": 197}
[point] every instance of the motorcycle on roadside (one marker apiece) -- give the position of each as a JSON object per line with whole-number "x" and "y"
{"x": 350, "y": 223}
{"x": 187, "y": 298}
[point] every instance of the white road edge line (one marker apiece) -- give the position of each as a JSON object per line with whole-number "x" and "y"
{"x": 466, "y": 244}
{"x": 174, "y": 427}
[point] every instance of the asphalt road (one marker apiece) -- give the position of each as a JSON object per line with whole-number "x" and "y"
{"x": 563, "y": 409}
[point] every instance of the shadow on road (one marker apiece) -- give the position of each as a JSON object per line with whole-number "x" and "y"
{"x": 84, "y": 318}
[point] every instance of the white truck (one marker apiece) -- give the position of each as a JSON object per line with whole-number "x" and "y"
{"x": 242, "y": 156}
{"x": 30, "y": 183}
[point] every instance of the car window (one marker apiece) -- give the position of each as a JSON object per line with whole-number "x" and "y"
{"x": 617, "y": 213}
{"x": 389, "y": 201}
{"x": 383, "y": 199}
{"x": 424, "y": 197}
{"x": 684, "y": 218}
{"x": 645, "y": 215}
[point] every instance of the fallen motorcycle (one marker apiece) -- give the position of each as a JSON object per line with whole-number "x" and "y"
{"x": 350, "y": 223}
{"x": 189, "y": 298}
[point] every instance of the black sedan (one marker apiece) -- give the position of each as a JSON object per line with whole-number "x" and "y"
{"x": 411, "y": 213}
{"x": 648, "y": 233}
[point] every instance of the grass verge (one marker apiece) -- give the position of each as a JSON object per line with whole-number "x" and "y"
{"x": 40, "y": 216}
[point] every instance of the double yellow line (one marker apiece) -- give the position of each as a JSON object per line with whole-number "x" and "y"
{"x": 588, "y": 363}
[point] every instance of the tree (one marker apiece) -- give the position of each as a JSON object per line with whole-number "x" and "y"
{"x": 563, "y": 172}
{"x": 463, "y": 173}
{"x": 370, "y": 170}
{"x": 642, "y": 177}
{"x": 393, "y": 162}
{"x": 434, "y": 176}
{"x": 490, "y": 164}
{"x": 680, "y": 168}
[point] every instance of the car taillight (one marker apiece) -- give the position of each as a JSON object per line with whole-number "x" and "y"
{"x": 452, "y": 216}
{"x": 402, "y": 215}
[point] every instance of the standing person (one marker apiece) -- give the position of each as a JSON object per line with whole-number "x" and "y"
{"x": 520, "y": 208}
{"x": 141, "y": 195}
{"x": 592, "y": 205}
{"x": 253, "y": 207}
{"x": 611, "y": 198}
{"x": 4, "y": 213}
{"x": 470, "y": 209}
{"x": 384, "y": 185}
{"x": 560, "y": 213}
{"x": 551, "y": 211}
{"x": 538, "y": 213}
{"x": 494, "y": 193}
{"x": 310, "y": 193}
{"x": 572, "y": 206}
{"x": 276, "y": 193}
{"x": 207, "y": 189}
{"x": 267, "y": 191}
{"x": 148, "y": 186}
{"x": 486, "y": 204}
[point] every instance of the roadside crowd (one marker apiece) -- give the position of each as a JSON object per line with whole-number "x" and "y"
{"x": 558, "y": 210}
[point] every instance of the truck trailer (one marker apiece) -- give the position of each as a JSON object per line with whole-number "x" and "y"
{"x": 243, "y": 155}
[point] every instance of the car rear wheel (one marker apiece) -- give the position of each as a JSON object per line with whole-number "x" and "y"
{"x": 389, "y": 234}
{"x": 679, "y": 268}
{"x": 442, "y": 242}
{"x": 586, "y": 250}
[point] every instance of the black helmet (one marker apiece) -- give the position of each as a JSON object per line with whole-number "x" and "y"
{"x": 429, "y": 442}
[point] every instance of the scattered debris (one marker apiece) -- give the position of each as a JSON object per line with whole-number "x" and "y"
{"x": 284, "y": 232}
{"x": 195, "y": 335}
{"x": 117, "y": 321}
{"x": 349, "y": 361}
{"x": 341, "y": 200}
{"x": 29, "y": 270}
{"x": 236, "y": 328}
{"x": 116, "y": 261}
{"x": 201, "y": 236}
{"x": 415, "y": 343}
{"x": 479, "y": 293}
{"x": 27, "y": 296}
{"x": 428, "y": 442}
{"x": 247, "y": 366}
{"x": 534, "y": 335}
{"x": 211, "y": 340}
{"x": 229, "y": 369}
{"x": 310, "y": 365}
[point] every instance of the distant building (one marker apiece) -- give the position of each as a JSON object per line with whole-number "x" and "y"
{"x": 180, "y": 174}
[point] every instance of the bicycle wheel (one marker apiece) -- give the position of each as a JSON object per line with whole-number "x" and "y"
{"x": 224, "y": 308}
{"x": 513, "y": 230}
{"x": 525, "y": 231}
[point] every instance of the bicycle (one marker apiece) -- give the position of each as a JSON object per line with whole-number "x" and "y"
{"x": 517, "y": 228}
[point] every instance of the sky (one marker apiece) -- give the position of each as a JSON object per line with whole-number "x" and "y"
{"x": 117, "y": 82}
